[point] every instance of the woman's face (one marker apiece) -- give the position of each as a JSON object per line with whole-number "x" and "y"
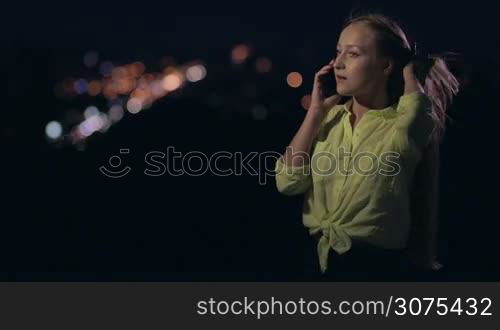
{"x": 357, "y": 60}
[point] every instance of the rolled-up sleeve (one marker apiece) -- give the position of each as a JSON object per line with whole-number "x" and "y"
{"x": 414, "y": 120}
{"x": 292, "y": 180}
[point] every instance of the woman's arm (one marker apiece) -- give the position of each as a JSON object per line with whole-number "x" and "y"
{"x": 292, "y": 169}
{"x": 297, "y": 152}
{"x": 411, "y": 82}
{"x": 415, "y": 121}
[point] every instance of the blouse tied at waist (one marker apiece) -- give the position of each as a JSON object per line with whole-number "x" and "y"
{"x": 332, "y": 235}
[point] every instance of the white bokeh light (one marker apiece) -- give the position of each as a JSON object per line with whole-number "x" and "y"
{"x": 134, "y": 105}
{"x": 116, "y": 112}
{"x": 90, "y": 111}
{"x": 196, "y": 73}
{"x": 53, "y": 129}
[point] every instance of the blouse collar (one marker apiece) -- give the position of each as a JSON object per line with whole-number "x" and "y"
{"x": 388, "y": 111}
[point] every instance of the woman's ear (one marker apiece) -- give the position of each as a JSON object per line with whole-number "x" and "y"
{"x": 388, "y": 67}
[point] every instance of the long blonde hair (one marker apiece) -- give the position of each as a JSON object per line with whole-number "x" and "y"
{"x": 440, "y": 85}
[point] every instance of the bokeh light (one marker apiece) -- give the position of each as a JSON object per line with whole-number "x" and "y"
{"x": 240, "y": 53}
{"x": 171, "y": 82}
{"x": 116, "y": 113}
{"x": 136, "y": 69}
{"x": 105, "y": 122}
{"x": 53, "y": 130}
{"x": 80, "y": 86}
{"x": 196, "y": 73}
{"x": 68, "y": 86}
{"x": 106, "y": 68}
{"x": 305, "y": 101}
{"x": 157, "y": 89}
{"x": 109, "y": 90}
{"x": 90, "y": 111}
{"x": 294, "y": 79}
{"x": 263, "y": 65}
{"x": 128, "y": 87}
{"x": 134, "y": 105}
{"x": 94, "y": 87}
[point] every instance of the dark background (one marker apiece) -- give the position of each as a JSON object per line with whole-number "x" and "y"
{"x": 64, "y": 220}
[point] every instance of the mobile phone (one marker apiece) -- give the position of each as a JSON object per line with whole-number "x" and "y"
{"x": 328, "y": 84}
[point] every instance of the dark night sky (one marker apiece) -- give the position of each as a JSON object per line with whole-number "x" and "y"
{"x": 64, "y": 221}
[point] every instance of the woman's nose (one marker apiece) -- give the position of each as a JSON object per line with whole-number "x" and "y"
{"x": 337, "y": 64}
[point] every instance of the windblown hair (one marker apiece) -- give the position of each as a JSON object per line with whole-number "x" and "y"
{"x": 440, "y": 85}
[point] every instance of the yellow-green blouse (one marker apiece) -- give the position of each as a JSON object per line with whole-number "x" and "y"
{"x": 358, "y": 183}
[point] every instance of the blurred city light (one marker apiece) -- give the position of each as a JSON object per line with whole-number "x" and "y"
{"x": 240, "y": 53}
{"x": 196, "y": 73}
{"x": 294, "y": 79}
{"x": 53, "y": 130}
{"x": 106, "y": 68}
{"x": 90, "y": 59}
{"x": 263, "y": 65}
{"x": 305, "y": 101}
{"x": 116, "y": 113}
{"x": 171, "y": 82}
{"x": 134, "y": 105}
{"x": 90, "y": 111}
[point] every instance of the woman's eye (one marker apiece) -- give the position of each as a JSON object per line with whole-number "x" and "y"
{"x": 352, "y": 54}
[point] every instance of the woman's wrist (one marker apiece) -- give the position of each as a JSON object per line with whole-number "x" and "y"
{"x": 316, "y": 112}
{"x": 412, "y": 85}
{"x": 315, "y": 116}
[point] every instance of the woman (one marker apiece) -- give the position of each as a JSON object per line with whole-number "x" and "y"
{"x": 369, "y": 167}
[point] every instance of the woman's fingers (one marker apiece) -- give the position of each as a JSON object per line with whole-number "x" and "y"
{"x": 324, "y": 70}
{"x": 317, "y": 92}
{"x": 408, "y": 70}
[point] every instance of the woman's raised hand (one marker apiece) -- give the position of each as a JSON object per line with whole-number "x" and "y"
{"x": 319, "y": 102}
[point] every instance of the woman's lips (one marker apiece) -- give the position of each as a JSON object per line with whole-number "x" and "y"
{"x": 340, "y": 78}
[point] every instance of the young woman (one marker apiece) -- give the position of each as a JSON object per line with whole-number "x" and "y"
{"x": 369, "y": 166}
